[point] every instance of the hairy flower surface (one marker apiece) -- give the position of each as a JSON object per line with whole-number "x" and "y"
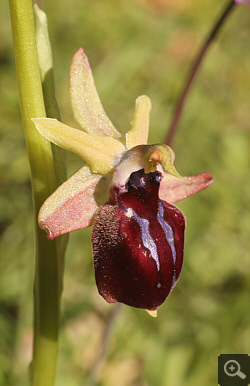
{"x": 126, "y": 191}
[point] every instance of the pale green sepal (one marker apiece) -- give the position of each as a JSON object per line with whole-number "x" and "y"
{"x": 87, "y": 108}
{"x": 101, "y": 153}
{"x": 138, "y": 135}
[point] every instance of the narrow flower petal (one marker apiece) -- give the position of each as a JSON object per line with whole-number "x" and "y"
{"x": 138, "y": 135}
{"x": 73, "y": 205}
{"x": 174, "y": 189}
{"x": 98, "y": 151}
{"x": 86, "y": 105}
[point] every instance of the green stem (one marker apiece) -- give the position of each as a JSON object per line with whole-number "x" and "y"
{"x": 48, "y": 276}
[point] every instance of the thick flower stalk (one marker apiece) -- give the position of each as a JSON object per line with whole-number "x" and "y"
{"x": 126, "y": 191}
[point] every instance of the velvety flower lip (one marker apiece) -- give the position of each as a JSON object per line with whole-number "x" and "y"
{"x": 138, "y": 243}
{"x": 126, "y": 191}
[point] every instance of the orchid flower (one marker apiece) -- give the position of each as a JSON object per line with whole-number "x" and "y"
{"x": 126, "y": 191}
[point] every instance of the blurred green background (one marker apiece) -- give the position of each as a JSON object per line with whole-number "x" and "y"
{"x": 139, "y": 47}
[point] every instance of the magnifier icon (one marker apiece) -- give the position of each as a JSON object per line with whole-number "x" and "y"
{"x": 234, "y": 368}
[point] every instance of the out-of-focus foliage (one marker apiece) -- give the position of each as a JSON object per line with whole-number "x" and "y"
{"x": 139, "y": 47}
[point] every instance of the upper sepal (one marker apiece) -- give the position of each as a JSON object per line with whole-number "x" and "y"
{"x": 86, "y": 105}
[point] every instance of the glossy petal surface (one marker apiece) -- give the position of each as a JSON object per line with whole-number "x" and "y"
{"x": 138, "y": 244}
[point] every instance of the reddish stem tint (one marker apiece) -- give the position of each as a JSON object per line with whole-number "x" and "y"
{"x": 193, "y": 71}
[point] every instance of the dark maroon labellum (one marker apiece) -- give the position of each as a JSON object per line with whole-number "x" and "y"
{"x": 138, "y": 243}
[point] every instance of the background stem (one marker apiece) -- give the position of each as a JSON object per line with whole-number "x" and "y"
{"x": 96, "y": 368}
{"x": 48, "y": 275}
{"x": 193, "y": 71}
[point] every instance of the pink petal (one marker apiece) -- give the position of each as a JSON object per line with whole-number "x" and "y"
{"x": 73, "y": 205}
{"x": 173, "y": 189}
